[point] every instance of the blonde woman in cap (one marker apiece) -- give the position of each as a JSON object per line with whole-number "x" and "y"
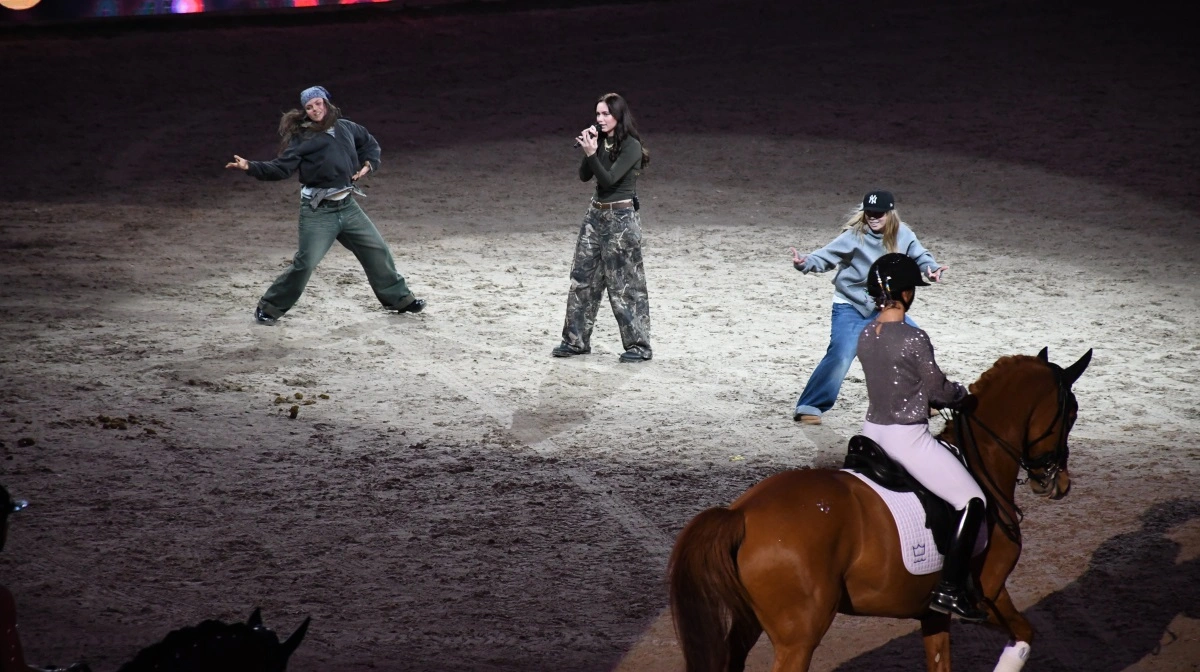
{"x": 874, "y": 229}
{"x": 331, "y": 153}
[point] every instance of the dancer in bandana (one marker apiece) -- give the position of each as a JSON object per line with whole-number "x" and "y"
{"x": 331, "y": 153}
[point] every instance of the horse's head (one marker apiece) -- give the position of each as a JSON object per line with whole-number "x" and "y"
{"x": 1046, "y": 451}
{"x": 280, "y": 652}
{"x": 1036, "y": 393}
{"x": 216, "y": 645}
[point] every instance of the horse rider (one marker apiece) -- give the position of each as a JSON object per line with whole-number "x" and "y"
{"x": 903, "y": 381}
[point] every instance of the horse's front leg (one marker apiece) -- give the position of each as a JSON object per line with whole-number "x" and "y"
{"x": 935, "y": 634}
{"x": 1020, "y": 633}
{"x": 1001, "y": 559}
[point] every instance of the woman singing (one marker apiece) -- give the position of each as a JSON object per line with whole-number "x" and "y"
{"x": 608, "y": 254}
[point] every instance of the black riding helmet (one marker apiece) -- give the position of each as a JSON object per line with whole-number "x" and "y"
{"x": 891, "y": 274}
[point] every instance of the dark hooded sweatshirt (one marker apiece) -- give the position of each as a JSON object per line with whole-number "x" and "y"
{"x": 325, "y": 160}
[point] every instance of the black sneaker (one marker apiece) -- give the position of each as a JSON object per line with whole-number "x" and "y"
{"x": 263, "y": 318}
{"x": 630, "y": 356}
{"x": 415, "y": 307}
{"x": 564, "y": 350}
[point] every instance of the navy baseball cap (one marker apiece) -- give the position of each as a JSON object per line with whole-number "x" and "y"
{"x": 879, "y": 201}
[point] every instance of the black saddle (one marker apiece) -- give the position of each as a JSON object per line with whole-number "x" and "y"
{"x": 866, "y": 457}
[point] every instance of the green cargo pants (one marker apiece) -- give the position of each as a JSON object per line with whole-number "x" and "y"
{"x": 345, "y": 222}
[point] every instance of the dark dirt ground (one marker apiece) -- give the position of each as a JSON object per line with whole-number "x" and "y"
{"x": 450, "y": 497}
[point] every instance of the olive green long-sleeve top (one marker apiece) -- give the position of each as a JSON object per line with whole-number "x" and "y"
{"x": 615, "y": 180}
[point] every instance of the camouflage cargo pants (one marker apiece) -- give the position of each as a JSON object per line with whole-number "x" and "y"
{"x": 608, "y": 256}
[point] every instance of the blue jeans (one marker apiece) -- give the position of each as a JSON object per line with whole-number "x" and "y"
{"x": 823, "y": 385}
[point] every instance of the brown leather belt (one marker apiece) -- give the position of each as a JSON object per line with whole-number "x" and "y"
{"x": 615, "y": 205}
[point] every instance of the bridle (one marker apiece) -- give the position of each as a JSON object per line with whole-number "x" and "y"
{"x": 1042, "y": 469}
{"x": 1055, "y": 461}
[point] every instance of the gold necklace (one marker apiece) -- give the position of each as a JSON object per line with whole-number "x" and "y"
{"x": 608, "y": 145}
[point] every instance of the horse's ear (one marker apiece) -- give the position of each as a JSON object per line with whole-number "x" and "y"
{"x": 1076, "y": 370}
{"x": 1044, "y": 355}
{"x": 255, "y": 619}
{"x": 289, "y": 647}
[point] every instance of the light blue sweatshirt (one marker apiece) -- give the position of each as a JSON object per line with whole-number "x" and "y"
{"x": 853, "y": 255}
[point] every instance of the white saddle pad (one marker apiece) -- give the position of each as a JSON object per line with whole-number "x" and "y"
{"x": 916, "y": 541}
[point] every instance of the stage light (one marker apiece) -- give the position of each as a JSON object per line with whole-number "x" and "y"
{"x": 18, "y": 4}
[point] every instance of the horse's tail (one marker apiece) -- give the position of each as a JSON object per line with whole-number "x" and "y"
{"x": 707, "y": 596}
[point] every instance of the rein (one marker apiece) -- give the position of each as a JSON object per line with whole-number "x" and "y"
{"x": 1050, "y": 464}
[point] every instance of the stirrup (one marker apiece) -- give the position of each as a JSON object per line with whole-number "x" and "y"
{"x": 954, "y": 600}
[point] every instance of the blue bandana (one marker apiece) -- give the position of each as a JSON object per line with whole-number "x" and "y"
{"x": 313, "y": 92}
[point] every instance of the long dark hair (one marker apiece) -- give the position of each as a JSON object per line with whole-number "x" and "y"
{"x": 295, "y": 123}
{"x": 626, "y": 126}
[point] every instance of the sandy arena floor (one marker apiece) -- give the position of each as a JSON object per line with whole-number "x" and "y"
{"x": 448, "y": 496}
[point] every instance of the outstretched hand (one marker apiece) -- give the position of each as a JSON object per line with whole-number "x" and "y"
{"x": 366, "y": 168}
{"x": 935, "y": 274}
{"x": 238, "y": 163}
{"x": 797, "y": 260}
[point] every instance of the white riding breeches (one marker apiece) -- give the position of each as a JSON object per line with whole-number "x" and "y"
{"x": 927, "y": 460}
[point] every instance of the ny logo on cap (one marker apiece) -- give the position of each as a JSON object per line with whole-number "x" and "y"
{"x": 872, "y": 199}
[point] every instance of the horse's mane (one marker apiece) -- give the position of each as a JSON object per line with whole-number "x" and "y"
{"x": 212, "y": 645}
{"x": 1000, "y": 369}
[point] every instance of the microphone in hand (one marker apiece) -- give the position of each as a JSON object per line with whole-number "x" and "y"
{"x": 595, "y": 129}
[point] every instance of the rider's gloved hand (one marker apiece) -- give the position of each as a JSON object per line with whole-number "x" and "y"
{"x": 967, "y": 404}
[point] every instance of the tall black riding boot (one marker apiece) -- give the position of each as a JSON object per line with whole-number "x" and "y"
{"x": 953, "y": 595}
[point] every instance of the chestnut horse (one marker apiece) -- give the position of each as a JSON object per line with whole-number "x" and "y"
{"x": 804, "y": 545}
